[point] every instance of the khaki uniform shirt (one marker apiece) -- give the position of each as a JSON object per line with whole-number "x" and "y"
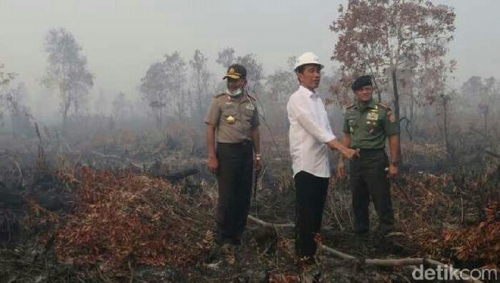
{"x": 370, "y": 125}
{"x": 234, "y": 120}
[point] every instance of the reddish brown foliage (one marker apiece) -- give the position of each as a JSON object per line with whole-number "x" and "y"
{"x": 284, "y": 278}
{"x": 126, "y": 218}
{"x": 441, "y": 207}
{"x": 379, "y": 36}
{"x": 481, "y": 242}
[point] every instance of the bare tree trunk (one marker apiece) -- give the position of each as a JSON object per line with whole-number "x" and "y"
{"x": 65, "y": 106}
{"x": 412, "y": 110}
{"x": 485, "y": 124}
{"x": 446, "y": 140}
{"x": 396, "y": 109}
{"x": 199, "y": 93}
{"x": 158, "y": 117}
{"x": 65, "y": 114}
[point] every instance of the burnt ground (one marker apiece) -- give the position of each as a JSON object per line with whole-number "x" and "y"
{"x": 28, "y": 254}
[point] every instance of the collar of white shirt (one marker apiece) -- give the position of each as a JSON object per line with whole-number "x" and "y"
{"x": 307, "y": 92}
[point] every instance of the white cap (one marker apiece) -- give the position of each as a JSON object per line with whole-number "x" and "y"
{"x": 307, "y": 58}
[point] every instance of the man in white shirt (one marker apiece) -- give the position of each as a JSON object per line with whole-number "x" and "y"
{"x": 310, "y": 138}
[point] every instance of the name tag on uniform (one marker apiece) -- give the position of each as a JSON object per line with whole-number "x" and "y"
{"x": 250, "y": 106}
{"x": 372, "y": 116}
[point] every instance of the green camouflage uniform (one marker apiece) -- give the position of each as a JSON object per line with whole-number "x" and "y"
{"x": 368, "y": 126}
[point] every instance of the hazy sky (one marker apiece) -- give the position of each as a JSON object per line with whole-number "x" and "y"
{"x": 121, "y": 38}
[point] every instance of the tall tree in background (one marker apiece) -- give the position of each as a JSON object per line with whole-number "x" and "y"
{"x": 176, "y": 70}
{"x": 481, "y": 93}
{"x": 277, "y": 89}
{"x": 5, "y": 79}
{"x": 282, "y": 83}
{"x": 121, "y": 107}
{"x": 432, "y": 79}
{"x": 162, "y": 87}
{"x": 13, "y": 100}
{"x": 255, "y": 70}
{"x": 380, "y": 37}
{"x": 201, "y": 78}
{"x": 226, "y": 57}
{"x": 255, "y": 73}
{"x": 443, "y": 101}
{"x": 20, "y": 114}
{"x": 67, "y": 71}
{"x": 490, "y": 97}
{"x": 154, "y": 90}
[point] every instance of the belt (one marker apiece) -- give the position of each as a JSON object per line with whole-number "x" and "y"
{"x": 369, "y": 149}
{"x": 243, "y": 143}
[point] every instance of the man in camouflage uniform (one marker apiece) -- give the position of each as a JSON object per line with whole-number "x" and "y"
{"x": 367, "y": 124}
{"x": 233, "y": 154}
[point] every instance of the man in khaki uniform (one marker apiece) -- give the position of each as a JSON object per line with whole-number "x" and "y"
{"x": 233, "y": 154}
{"x": 367, "y": 126}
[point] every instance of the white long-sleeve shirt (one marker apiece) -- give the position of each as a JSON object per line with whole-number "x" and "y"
{"x": 309, "y": 133}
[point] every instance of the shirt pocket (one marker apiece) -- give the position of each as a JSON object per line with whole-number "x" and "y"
{"x": 247, "y": 113}
{"x": 353, "y": 124}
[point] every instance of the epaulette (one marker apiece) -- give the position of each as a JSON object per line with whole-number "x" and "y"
{"x": 384, "y": 106}
{"x": 351, "y": 106}
{"x": 220, "y": 94}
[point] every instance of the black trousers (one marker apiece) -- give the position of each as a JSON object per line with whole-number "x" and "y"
{"x": 234, "y": 178}
{"x": 310, "y": 194}
{"x": 368, "y": 179}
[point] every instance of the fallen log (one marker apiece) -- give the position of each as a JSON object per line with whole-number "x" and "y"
{"x": 9, "y": 199}
{"x": 492, "y": 153}
{"x": 155, "y": 170}
{"x": 377, "y": 262}
{"x": 267, "y": 224}
{"x": 179, "y": 175}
